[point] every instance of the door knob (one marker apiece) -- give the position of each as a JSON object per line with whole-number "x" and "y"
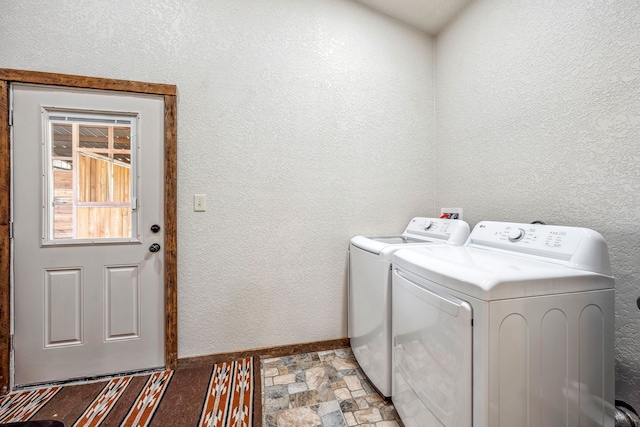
{"x": 155, "y": 228}
{"x": 154, "y": 248}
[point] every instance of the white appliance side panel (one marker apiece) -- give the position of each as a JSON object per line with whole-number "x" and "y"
{"x": 596, "y": 343}
{"x": 514, "y": 383}
{"x": 552, "y": 360}
{"x": 554, "y": 365}
{"x": 370, "y": 316}
{"x": 432, "y": 360}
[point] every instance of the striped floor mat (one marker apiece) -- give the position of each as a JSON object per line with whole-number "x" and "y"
{"x": 219, "y": 396}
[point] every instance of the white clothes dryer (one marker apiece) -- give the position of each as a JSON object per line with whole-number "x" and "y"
{"x": 370, "y": 290}
{"x": 514, "y": 328}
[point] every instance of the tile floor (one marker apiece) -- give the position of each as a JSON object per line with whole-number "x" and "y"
{"x": 321, "y": 389}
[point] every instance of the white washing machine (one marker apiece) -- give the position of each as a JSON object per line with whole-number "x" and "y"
{"x": 370, "y": 290}
{"x": 515, "y": 328}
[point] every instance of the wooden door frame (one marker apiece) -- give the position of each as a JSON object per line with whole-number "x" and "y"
{"x": 8, "y": 76}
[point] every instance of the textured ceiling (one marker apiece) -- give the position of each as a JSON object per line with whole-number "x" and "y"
{"x": 429, "y": 16}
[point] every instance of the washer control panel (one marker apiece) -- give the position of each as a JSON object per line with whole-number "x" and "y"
{"x": 574, "y": 247}
{"x": 431, "y": 225}
{"x": 448, "y": 230}
{"x": 536, "y": 239}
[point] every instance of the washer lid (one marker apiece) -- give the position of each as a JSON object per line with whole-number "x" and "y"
{"x": 489, "y": 275}
{"x": 419, "y": 231}
{"x": 387, "y": 244}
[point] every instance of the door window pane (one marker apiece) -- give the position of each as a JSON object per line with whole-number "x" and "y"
{"x": 62, "y": 167}
{"x": 122, "y": 143}
{"x": 93, "y": 138}
{"x": 90, "y": 178}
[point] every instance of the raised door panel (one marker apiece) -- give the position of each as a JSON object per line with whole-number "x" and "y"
{"x": 122, "y": 300}
{"x": 63, "y": 307}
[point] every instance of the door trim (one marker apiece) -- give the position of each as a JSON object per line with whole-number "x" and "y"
{"x": 8, "y": 76}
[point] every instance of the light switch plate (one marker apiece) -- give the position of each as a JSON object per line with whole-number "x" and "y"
{"x": 199, "y": 202}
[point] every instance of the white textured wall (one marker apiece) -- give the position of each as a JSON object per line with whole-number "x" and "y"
{"x": 305, "y": 122}
{"x": 538, "y": 117}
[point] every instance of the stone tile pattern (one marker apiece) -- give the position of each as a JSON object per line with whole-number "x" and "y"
{"x": 322, "y": 389}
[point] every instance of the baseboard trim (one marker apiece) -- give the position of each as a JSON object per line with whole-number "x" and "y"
{"x": 262, "y": 353}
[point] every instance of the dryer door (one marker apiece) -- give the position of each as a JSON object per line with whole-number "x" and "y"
{"x": 432, "y": 356}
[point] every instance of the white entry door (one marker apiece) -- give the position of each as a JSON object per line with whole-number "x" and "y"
{"x": 87, "y": 260}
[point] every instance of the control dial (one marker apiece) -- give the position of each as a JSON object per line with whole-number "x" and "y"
{"x": 516, "y": 234}
{"x": 427, "y": 225}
